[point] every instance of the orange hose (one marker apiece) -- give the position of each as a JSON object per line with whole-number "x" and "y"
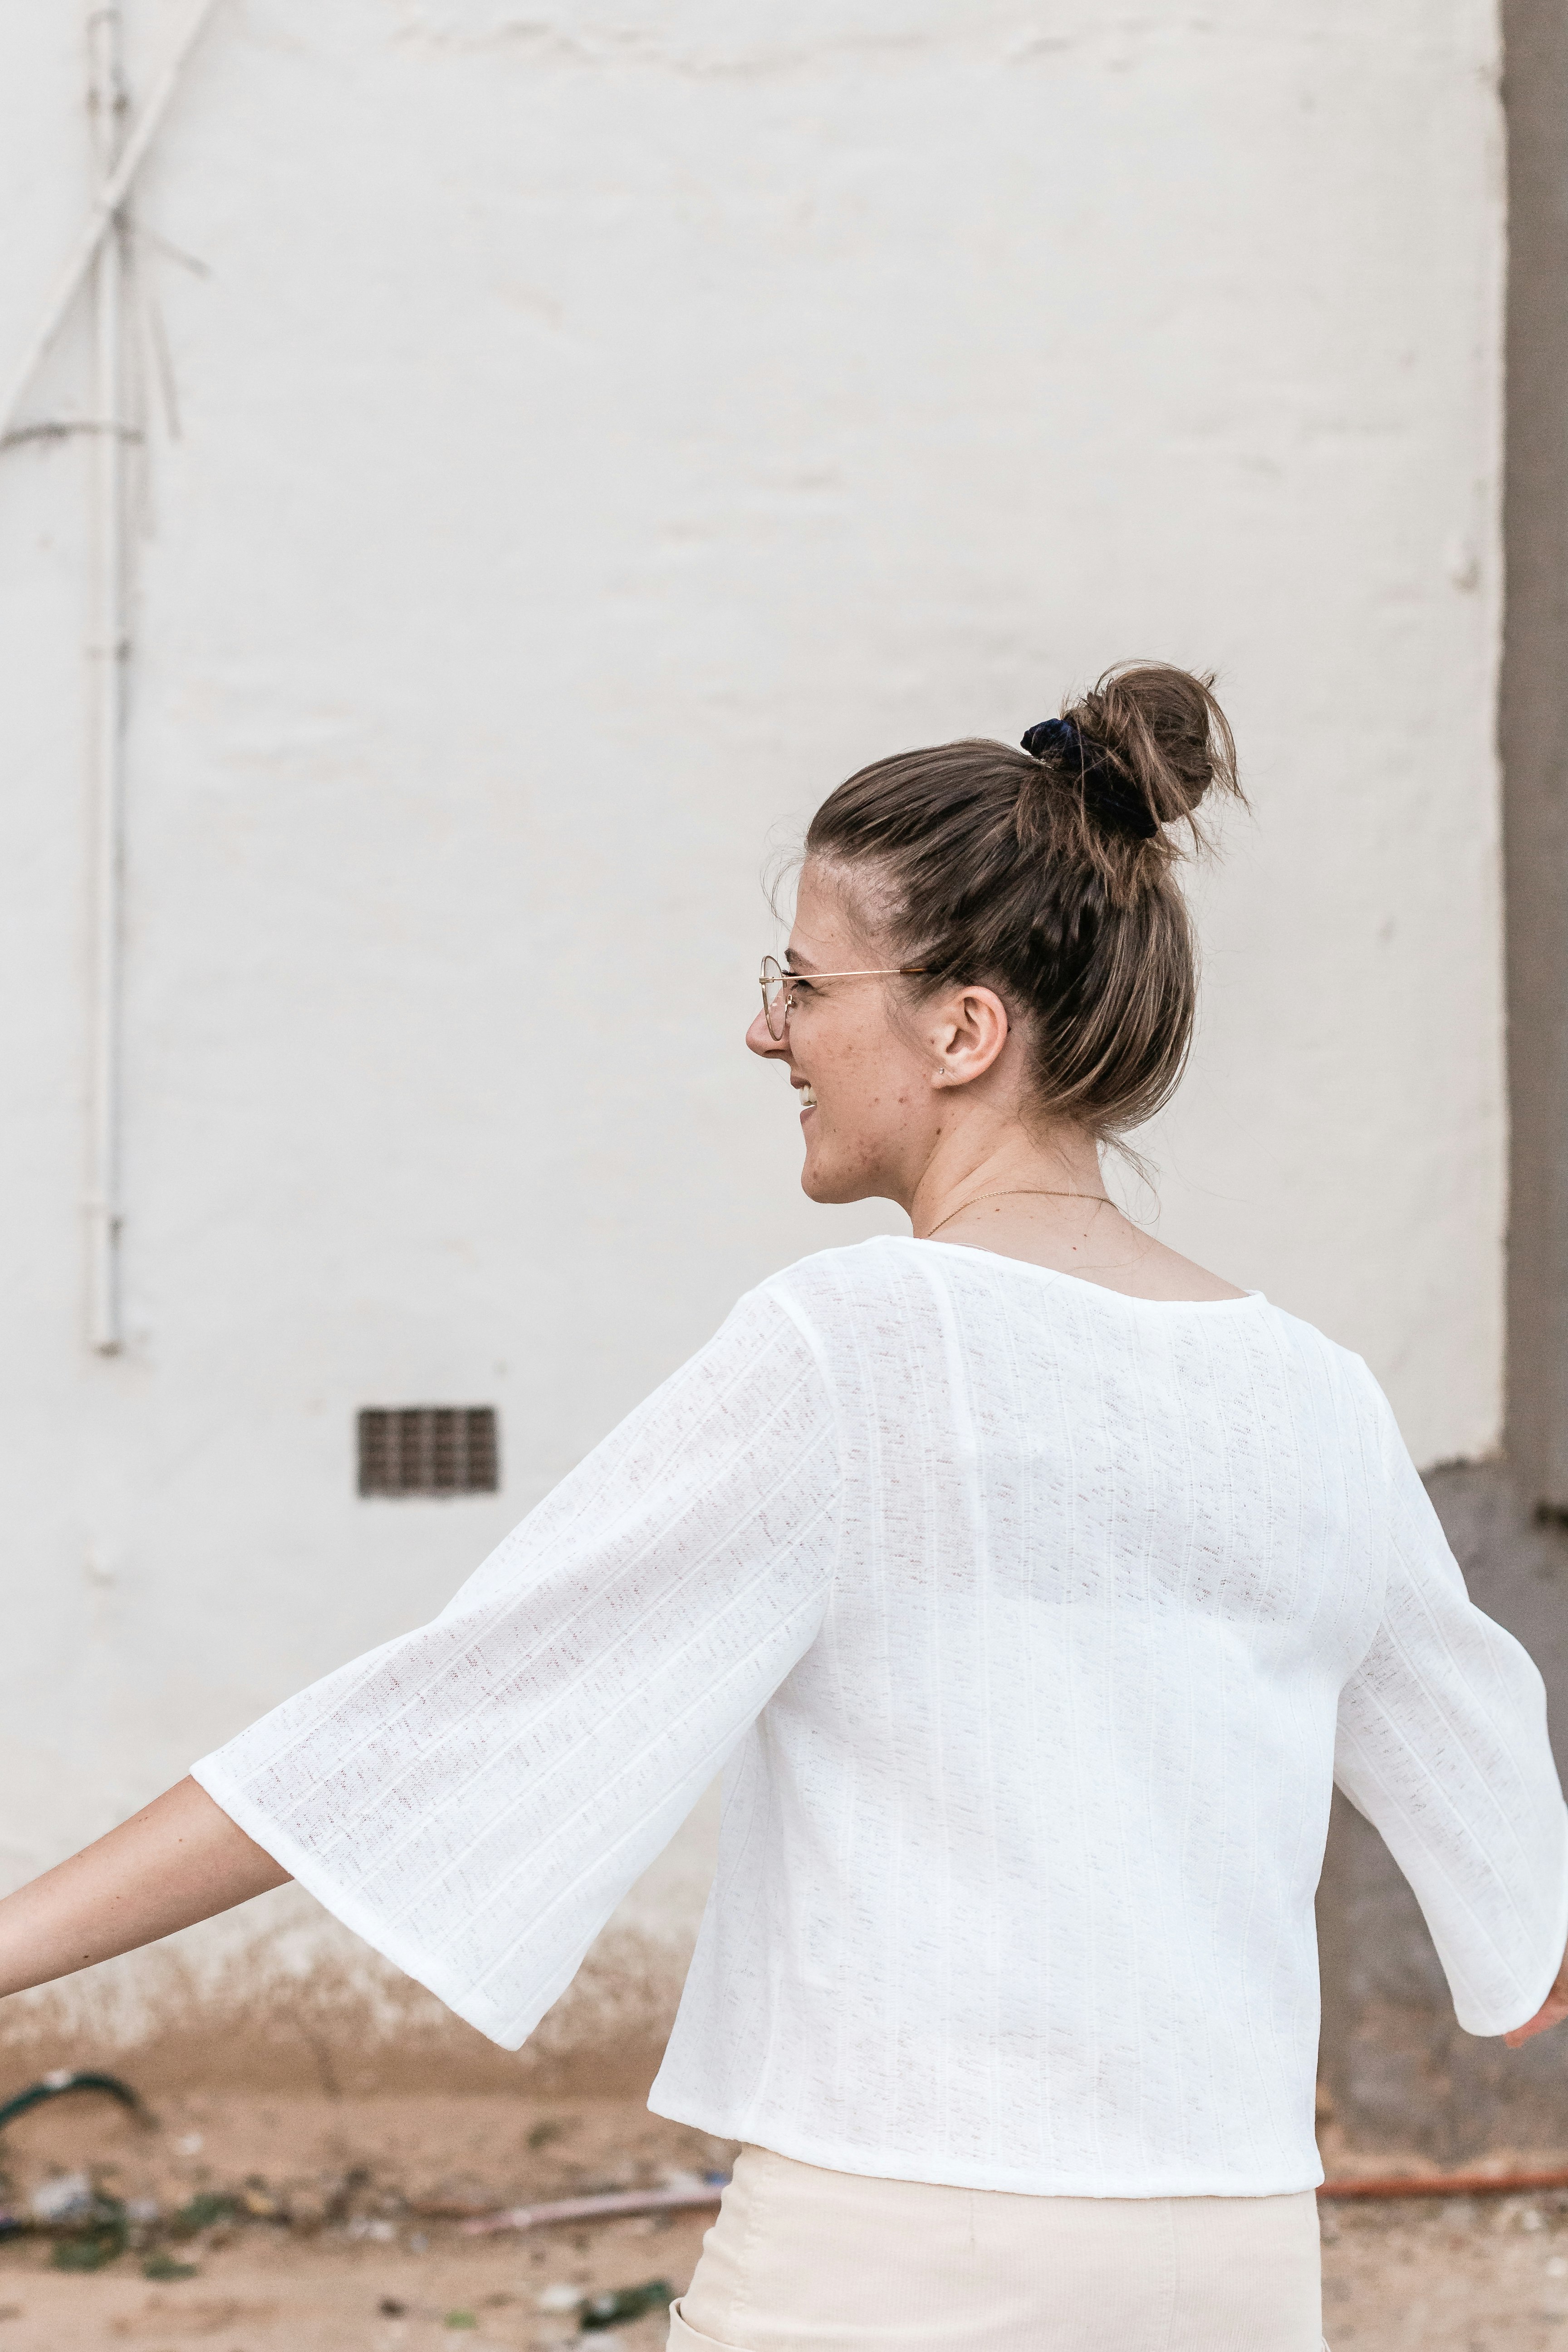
{"x": 1447, "y": 2184}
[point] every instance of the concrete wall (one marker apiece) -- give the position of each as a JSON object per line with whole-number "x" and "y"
{"x": 1398, "y": 2070}
{"x": 1534, "y": 734}
{"x": 600, "y": 430}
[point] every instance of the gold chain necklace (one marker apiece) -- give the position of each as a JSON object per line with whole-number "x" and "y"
{"x": 1016, "y": 1193}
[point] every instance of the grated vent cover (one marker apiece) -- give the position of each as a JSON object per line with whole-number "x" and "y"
{"x": 428, "y": 1449}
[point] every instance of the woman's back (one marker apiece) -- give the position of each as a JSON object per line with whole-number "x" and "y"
{"x": 1046, "y": 1799}
{"x": 1023, "y": 1614}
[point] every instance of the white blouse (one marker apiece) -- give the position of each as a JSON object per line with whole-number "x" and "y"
{"x": 1030, "y": 1624}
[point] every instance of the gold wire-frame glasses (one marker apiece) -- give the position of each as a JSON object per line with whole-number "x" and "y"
{"x": 778, "y": 996}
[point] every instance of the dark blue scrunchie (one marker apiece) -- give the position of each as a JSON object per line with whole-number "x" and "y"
{"x": 1109, "y": 794}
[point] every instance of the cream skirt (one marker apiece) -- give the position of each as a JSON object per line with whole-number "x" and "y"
{"x": 801, "y": 2260}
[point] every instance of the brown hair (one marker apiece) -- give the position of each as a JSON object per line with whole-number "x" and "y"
{"x": 1051, "y": 878}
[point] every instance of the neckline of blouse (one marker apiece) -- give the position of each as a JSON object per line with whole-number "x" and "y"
{"x": 1079, "y": 1281}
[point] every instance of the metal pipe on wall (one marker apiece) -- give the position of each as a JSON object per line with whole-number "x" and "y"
{"x": 102, "y": 250}
{"x": 107, "y": 650}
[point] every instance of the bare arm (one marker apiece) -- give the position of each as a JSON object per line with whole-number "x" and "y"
{"x": 179, "y": 1859}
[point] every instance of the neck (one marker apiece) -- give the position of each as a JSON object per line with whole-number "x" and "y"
{"x": 1054, "y": 1163}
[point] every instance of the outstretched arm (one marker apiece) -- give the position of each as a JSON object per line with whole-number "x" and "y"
{"x": 179, "y": 1859}
{"x": 1442, "y": 1744}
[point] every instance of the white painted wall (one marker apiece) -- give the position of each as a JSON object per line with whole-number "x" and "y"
{"x": 603, "y": 428}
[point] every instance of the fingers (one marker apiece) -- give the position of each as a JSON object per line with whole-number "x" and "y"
{"x": 1553, "y": 2011}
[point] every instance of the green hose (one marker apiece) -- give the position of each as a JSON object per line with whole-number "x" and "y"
{"x": 55, "y": 2086}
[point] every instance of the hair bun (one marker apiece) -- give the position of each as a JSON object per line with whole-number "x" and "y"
{"x": 1167, "y": 740}
{"x": 1111, "y": 797}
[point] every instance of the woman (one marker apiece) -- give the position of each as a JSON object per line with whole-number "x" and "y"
{"x": 1031, "y": 1585}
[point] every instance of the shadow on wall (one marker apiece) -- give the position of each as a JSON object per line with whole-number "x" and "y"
{"x": 1400, "y": 2073}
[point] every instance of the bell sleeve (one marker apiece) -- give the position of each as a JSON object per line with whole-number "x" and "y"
{"x": 1442, "y": 1744}
{"x": 474, "y": 1798}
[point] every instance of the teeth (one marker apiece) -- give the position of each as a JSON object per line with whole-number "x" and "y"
{"x": 808, "y": 1098}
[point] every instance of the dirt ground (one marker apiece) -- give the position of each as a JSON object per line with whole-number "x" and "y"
{"x": 326, "y": 2248}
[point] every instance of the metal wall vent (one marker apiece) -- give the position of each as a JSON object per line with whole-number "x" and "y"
{"x": 428, "y": 1449}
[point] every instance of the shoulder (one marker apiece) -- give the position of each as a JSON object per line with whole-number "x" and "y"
{"x": 1335, "y": 1372}
{"x": 830, "y": 1290}
{"x": 834, "y": 1287}
{"x": 1304, "y": 1340}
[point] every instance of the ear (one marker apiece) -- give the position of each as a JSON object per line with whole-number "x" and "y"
{"x": 967, "y": 1031}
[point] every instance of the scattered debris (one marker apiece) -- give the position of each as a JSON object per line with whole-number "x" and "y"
{"x": 98, "y": 2234}
{"x": 164, "y": 2266}
{"x": 674, "y": 2196}
{"x": 200, "y": 2211}
{"x": 624, "y": 2303}
{"x": 168, "y": 2235}
{"x": 66, "y": 2197}
{"x": 88, "y": 2253}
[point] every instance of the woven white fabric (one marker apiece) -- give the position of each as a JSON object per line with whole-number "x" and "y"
{"x": 1031, "y": 1623}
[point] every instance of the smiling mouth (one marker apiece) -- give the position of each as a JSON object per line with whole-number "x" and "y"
{"x": 807, "y": 1098}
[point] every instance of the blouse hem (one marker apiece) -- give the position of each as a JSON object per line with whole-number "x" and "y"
{"x": 358, "y": 1918}
{"x": 1559, "y": 1944}
{"x": 942, "y": 2172}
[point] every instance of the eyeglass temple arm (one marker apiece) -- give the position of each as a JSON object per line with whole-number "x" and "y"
{"x": 883, "y": 972}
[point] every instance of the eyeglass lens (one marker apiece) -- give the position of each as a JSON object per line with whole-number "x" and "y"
{"x": 774, "y": 1008}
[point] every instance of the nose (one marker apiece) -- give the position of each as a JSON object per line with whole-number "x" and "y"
{"x": 771, "y": 1049}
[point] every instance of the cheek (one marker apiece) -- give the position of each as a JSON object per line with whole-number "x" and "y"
{"x": 863, "y": 1080}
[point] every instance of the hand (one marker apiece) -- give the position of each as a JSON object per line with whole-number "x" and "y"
{"x": 1552, "y": 2010}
